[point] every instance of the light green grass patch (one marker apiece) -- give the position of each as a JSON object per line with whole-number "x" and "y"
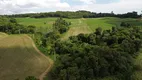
{"x": 42, "y": 24}
{"x": 94, "y": 23}
{"x": 39, "y": 22}
{"x": 78, "y": 26}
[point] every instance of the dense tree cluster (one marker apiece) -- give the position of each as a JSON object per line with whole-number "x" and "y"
{"x": 10, "y": 25}
{"x": 77, "y": 14}
{"x": 99, "y": 54}
{"x": 124, "y": 24}
{"x": 61, "y": 25}
{"x": 46, "y": 41}
{"x": 129, "y": 15}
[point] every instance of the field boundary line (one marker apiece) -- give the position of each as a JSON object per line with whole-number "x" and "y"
{"x": 43, "y": 75}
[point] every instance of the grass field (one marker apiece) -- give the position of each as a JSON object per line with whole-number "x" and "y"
{"x": 42, "y": 24}
{"x": 46, "y": 22}
{"x": 19, "y": 58}
{"x": 93, "y": 23}
{"x": 78, "y": 26}
{"x": 83, "y": 25}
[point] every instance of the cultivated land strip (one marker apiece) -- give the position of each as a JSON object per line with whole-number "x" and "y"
{"x": 2, "y": 35}
{"x": 41, "y": 77}
{"x": 79, "y": 27}
{"x": 20, "y": 58}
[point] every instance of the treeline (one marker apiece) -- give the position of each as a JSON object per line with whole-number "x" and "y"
{"x": 77, "y": 14}
{"x": 10, "y": 26}
{"x": 98, "y": 55}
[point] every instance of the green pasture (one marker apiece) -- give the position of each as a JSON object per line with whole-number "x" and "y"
{"x": 82, "y": 25}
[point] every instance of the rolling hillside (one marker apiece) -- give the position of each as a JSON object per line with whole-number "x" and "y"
{"x": 82, "y": 25}
{"x": 20, "y": 58}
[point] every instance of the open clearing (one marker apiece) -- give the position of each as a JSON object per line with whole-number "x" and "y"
{"x": 19, "y": 58}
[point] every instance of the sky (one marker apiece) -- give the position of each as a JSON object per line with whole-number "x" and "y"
{"x": 34, "y": 6}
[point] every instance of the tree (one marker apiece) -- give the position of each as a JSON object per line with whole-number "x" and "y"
{"x": 61, "y": 25}
{"x": 31, "y": 29}
{"x": 98, "y": 31}
{"x": 12, "y": 20}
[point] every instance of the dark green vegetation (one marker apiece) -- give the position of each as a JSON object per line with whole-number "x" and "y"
{"x": 10, "y": 25}
{"x": 97, "y": 55}
{"x": 61, "y": 25}
{"x": 77, "y": 14}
